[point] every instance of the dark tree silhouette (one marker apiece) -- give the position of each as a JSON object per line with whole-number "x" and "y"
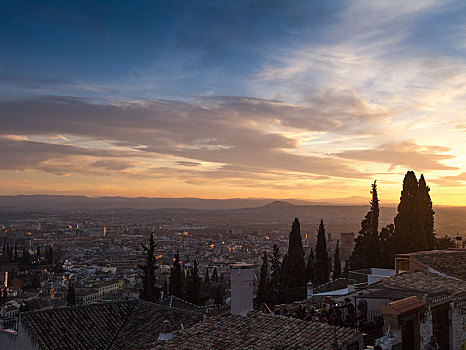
{"x": 337, "y": 263}
{"x": 148, "y": 291}
{"x": 71, "y": 295}
{"x": 193, "y": 286}
{"x": 322, "y": 258}
{"x": 177, "y": 278}
{"x": 293, "y": 273}
{"x": 367, "y": 249}
{"x": 215, "y": 275}
{"x": 263, "y": 294}
{"x": 387, "y": 244}
{"x": 427, "y": 214}
{"x": 275, "y": 273}
{"x": 310, "y": 267}
{"x": 409, "y": 228}
{"x": 206, "y": 277}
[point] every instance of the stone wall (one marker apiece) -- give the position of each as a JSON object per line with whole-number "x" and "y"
{"x": 458, "y": 322}
{"x": 426, "y": 329}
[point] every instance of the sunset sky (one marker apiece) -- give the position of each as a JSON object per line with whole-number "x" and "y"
{"x": 222, "y": 99}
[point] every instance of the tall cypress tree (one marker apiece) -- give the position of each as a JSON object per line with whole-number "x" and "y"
{"x": 293, "y": 272}
{"x": 148, "y": 291}
{"x": 409, "y": 227}
{"x": 387, "y": 243}
{"x": 71, "y": 295}
{"x": 367, "y": 249}
{"x": 310, "y": 267}
{"x": 427, "y": 213}
{"x": 322, "y": 258}
{"x": 176, "y": 278}
{"x": 275, "y": 274}
{"x": 206, "y": 277}
{"x": 337, "y": 263}
{"x": 215, "y": 275}
{"x": 193, "y": 286}
{"x": 263, "y": 288}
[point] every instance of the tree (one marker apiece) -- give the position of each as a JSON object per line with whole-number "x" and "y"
{"x": 263, "y": 289}
{"x": 275, "y": 274}
{"x": 337, "y": 263}
{"x": 427, "y": 214}
{"x": 148, "y": 290}
{"x": 219, "y": 295}
{"x": 366, "y": 251}
{"x": 165, "y": 288}
{"x": 310, "y": 267}
{"x": 409, "y": 227}
{"x": 387, "y": 245}
{"x": 293, "y": 272}
{"x": 215, "y": 276}
{"x": 206, "y": 277}
{"x": 35, "y": 281}
{"x": 322, "y": 258}
{"x": 176, "y": 278}
{"x": 193, "y": 286}
{"x": 71, "y": 295}
{"x": 444, "y": 243}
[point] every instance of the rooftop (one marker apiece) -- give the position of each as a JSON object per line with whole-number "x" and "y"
{"x": 450, "y": 262}
{"x": 403, "y": 306}
{"x": 257, "y": 331}
{"x": 116, "y": 326}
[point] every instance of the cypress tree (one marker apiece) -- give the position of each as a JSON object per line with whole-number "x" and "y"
{"x": 293, "y": 273}
{"x": 427, "y": 213}
{"x": 71, "y": 295}
{"x": 206, "y": 278}
{"x": 409, "y": 228}
{"x": 275, "y": 272}
{"x": 218, "y": 295}
{"x": 346, "y": 269}
{"x": 215, "y": 275}
{"x": 366, "y": 251}
{"x": 165, "y": 288}
{"x": 387, "y": 243}
{"x": 176, "y": 278}
{"x": 263, "y": 288}
{"x": 148, "y": 291}
{"x": 322, "y": 258}
{"x": 310, "y": 267}
{"x": 337, "y": 263}
{"x": 193, "y": 286}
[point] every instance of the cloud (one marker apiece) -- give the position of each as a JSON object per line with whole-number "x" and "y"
{"x": 406, "y": 154}
{"x": 229, "y": 130}
{"x": 450, "y": 181}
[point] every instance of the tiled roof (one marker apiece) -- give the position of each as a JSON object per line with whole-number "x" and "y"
{"x": 337, "y": 284}
{"x": 173, "y": 301}
{"x": 257, "y": 331}
{"x": 425, "y": 282}
{"x": 119, "y": 325}
{"x": 404, "y": 305}
{"x": 449, "y": 262}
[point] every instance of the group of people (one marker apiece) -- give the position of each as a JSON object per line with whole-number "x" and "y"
{"x": 333, "y": 314}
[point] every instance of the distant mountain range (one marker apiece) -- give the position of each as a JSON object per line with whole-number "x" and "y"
{"x": 83, "y": 202}
{"x": 340, "y": 214}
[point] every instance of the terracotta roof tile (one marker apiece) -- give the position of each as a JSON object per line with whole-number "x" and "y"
{"x": 119, "y": 325}
{"x": 403, "y": 306}
{"x": 257, "y": 331}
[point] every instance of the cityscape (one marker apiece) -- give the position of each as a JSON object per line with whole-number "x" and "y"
{"x": 233, "y": 175}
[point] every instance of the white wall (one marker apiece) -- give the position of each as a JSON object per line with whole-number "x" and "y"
{"x": 241, "y": 277}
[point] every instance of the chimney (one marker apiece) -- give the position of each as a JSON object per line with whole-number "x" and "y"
{"x": 310, "y": 290}
{"x": 166, "y": 333}
{"x": 241, "y": 277}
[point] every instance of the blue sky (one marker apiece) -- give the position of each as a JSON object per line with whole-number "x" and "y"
{"x": 232, "y": 98}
